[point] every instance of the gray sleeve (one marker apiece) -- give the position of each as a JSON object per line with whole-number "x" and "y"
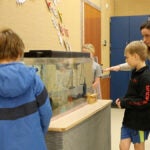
{"x": 125, "y": 67}
{"x": 98, "y": 71}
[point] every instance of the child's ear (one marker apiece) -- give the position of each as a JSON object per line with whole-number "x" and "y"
{"x": 136, "y": 55}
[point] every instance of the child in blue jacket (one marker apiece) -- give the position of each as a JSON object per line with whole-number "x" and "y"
{"x": 25, "y": 109}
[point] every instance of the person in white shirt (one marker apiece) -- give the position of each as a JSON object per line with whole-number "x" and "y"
{"x": 145, "y": 31}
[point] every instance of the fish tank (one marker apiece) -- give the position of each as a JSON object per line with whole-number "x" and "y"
{"x": 66, "y": 75}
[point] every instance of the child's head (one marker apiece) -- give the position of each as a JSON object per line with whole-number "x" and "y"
{"x": 135, "y": 52}
{"x": 11, "y": 45}
{"x": 139, "y": 48}
{"x": 88, "y": 48}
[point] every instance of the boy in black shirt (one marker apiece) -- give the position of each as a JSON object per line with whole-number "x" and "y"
{"x": 136, "y": 121}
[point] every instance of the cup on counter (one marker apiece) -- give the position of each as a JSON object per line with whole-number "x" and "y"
{"x": 91, "y": 98}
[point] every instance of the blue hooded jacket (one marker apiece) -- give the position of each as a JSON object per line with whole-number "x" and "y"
{"x": 25, "y": 109}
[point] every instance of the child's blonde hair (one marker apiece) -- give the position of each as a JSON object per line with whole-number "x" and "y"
{"x": 89, "y": 47}
{"x": 138, "y": 47}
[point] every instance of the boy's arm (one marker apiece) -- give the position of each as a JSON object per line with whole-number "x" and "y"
{"x": 143, "y": 99}
{"x": 44, "y": 106}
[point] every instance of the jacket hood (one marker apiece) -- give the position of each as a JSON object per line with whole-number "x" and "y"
{"x": 15, "y": 79}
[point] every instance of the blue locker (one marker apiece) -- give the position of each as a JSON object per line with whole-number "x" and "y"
{"x": 134, "y": 29}
{"x": 119, "y": 33}
{"x": 122, "y": 31}
{"x": 119, "y": 80}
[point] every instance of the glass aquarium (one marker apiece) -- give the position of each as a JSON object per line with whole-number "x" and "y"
{"x": 66, "y": 75}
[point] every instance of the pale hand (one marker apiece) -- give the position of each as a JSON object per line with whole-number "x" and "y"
{"x": 118, "y": 103}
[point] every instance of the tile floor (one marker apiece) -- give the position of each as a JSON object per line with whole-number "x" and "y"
{"x": 116, "y": 120}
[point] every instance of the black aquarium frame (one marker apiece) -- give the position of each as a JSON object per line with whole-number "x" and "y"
{"x": 55, "y": 54}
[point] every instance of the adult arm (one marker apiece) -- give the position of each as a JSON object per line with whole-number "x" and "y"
{"x": 120, "y": 67}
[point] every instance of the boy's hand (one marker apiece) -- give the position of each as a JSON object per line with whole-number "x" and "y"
{"x": 118, "y": 103}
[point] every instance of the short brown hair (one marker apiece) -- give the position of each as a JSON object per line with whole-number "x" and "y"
{"x": 138, "y": 47}
{"x": 11, "y": 45}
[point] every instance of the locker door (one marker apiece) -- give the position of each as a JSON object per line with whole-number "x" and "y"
{"x": 119, "y": 80}
{"x": 134, "y": 29}
{"x": 119, "y": 37}
{"x": 119, "y": 31}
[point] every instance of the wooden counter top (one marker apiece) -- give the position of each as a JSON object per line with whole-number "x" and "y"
{"x": 75, "y": 117}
